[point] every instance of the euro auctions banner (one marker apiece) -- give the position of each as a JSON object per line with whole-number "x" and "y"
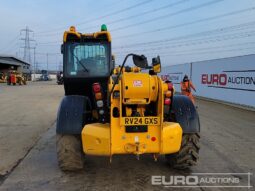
{"x": 229, "y": 79}
{"x": 232, "y": 79}
{"x": 175, "y": 74}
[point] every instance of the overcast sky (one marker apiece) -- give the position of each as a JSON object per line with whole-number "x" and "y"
{"x": 179, "y": 31}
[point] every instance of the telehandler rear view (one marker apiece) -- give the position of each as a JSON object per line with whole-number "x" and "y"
{"x": 108, "y": 111}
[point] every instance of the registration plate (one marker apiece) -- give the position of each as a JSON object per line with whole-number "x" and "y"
{"x": 140, "y": 121}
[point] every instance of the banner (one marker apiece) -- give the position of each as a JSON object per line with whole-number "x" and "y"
{"x": 228, "y": 79}
{"x": 175, "y": 74}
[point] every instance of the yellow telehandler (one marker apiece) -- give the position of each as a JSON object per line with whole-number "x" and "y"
{"x": 108, "y": 111}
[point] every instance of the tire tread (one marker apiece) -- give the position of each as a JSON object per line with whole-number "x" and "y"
{"x": 69, "y": 152}
{"x": 188, "y": 154}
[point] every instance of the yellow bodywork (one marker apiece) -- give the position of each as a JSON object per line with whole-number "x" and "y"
{"x": 72, "y": 32}
{"x": 96, "y": 139}
{"x": 140, "y": 89}
{"x": 99, "y": 139}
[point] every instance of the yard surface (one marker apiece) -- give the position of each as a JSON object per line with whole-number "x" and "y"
{"x": 28, "y": 157}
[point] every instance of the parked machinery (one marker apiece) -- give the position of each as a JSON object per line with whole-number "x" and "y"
{"x": 60, "y": 79}
{"x": 108, "y": 111}
{"x": 13, "y": 77}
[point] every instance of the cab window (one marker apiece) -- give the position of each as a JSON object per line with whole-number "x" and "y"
{"x": 87, "y": 59}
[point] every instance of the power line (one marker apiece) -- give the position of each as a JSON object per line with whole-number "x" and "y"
{"x": 172, "y": 40}
{"x": 116, "y": 12}
{"x": 27, "y": 47}
{"x": 199, "y": 41}
{"x": 188, "y": 23}
{"x": 107, "y": 6}
{"x": 225, "y": 29}
{"x": 40, "y": 53}
{"x": 175, "y": 42}
{"x": 164, "y": 16}
{"x": 53, "y": 42}
{"x": 10, "y": 44}
{"x": 157, "y": 18}
{"x": 150, "y": 20}
{"x": 104, "y": 16}
{"x": 211, "y": 52}
{"x": 143, "y": 13}
{"x": 203, "y": 52}
{"x": 170, "y": 14}
{"x": 196, "y": 34}
{"x": 50, "y": 44}
{"x": 175, "y": 38}
{"x": 198, "y": 49}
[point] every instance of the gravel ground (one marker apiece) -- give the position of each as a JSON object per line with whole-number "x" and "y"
{"x": 227, "y": 146}
{"x": 26, "y": 113}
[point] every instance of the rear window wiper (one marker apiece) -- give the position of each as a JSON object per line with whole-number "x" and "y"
{"x": 85, "y": 69}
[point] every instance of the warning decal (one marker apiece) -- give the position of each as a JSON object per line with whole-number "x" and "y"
{"x": 137, "y": 83}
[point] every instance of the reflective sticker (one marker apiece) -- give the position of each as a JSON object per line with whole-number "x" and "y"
{"x": 137, "y": 83}
{"x": 136, "y": 139}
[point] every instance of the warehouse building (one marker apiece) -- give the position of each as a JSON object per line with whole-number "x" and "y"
{"x": 12, "y": 63}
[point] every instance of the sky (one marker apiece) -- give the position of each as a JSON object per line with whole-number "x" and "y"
{"x": 179, "y": 31}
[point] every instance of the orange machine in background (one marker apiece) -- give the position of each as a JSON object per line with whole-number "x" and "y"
{"x": 186, "y": 86}
{"x": 13, "y": 78}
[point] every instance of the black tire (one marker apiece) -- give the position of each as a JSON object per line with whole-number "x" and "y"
{"x": 69, "y": 152}
{"x": 188, "y": 154}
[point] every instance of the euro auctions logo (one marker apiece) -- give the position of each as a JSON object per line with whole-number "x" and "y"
{"x": 214, "y": 79}
{"x": 213, "y": 180}
{"x": 237, "y": 80}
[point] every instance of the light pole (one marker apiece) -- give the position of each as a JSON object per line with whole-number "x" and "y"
{"x": 34, "y": 63}
{"x": 47, "y": 61}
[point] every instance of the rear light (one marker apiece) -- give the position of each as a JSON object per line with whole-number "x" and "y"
{"x": 98, "y": 96}
{"x": 153, "y": 138}
{"x": 100, "y": 103}
{"x": 170, "y": 86}
{"x": 101, "y": 112}
{"x": 96, "y": 87}
{"x": 168, "y": 94}
{"x": 167, "y": 101}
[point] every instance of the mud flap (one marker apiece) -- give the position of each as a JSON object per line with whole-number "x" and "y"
{"x": 185, "y": 114}
{"x": 72, "y": 114}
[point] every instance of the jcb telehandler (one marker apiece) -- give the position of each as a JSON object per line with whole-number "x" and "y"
{"x": 108, "y": 111}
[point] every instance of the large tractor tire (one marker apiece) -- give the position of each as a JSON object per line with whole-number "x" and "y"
{"x": 69, "y": 152}
{"x": 188, "y": 153}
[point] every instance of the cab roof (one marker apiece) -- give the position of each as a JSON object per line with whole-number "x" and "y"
{"x": 72, "y": 34}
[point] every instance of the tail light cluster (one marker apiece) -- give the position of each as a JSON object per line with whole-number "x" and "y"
{"x": 168, "y": 94}
{"x": 98, "y": 94}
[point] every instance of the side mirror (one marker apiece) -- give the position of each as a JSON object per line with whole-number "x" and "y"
{"x": 62, "y": 48}
{"x": 140, "y": 61}
{"x": 156, "y": 64}
{"x": 113, "y": 60}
